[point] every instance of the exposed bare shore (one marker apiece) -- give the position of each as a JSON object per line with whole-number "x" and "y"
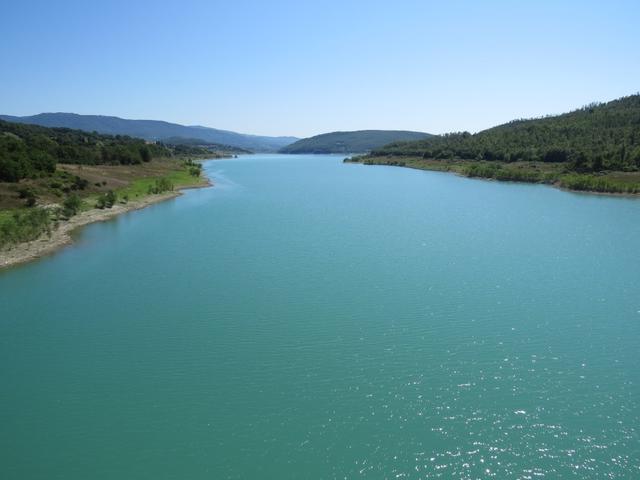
{"x": 61, "y": 236}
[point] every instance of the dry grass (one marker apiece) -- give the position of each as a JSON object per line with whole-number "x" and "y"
{"x": 100, "y": 178}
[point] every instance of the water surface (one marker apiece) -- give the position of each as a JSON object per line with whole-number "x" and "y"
{"x": 310, "y": 319}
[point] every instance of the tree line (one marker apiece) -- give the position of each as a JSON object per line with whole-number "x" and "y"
{"x": 593, "y": 138}
{"x": 29, "y": 151}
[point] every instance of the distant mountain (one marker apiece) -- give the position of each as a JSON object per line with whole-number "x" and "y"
{"x": 351, "y": 142}
{"x": 153, "y": 130}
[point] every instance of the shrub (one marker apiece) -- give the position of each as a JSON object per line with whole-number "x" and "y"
{"x": 161, "y": 185}
{"x": 24, "y": 226}
{"x": 597, "y": 184}
{"x": 79, "y": 183}
{"x": 71, "y": 205}
{"x": 28, "y": 195}
{"x": 106, "y": 200}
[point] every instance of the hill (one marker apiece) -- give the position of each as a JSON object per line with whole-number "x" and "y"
{"x": 594, "y": 148}
{"x": 351, "y": 142}
{"x": 29, "y": 151}
{"x": 592, "y": 138}
{"x": 153, "y": 130}
{"x": 48, "y": 175}
{"x": 197, "y": 142}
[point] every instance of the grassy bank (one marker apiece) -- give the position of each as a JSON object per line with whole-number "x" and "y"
{"x": 132, "y": 184}
{"x": 23, "y": 226}
{"x": 81, "y": 188}
{"x": 558, "y": 174}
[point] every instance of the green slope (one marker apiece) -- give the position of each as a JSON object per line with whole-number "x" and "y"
{"x": 197, "y": 142}
{"x": 28, "y": 151}
{"x": 351, "y": 142}
{"x": 48, "y": 175}
{"x": 594, "y": 138}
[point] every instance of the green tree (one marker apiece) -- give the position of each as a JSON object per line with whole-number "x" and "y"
{"x": 71, "y": 205}
{"x": 106, "y": 200}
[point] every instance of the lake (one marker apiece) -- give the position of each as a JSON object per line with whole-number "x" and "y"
{"x": 306, "y": 318}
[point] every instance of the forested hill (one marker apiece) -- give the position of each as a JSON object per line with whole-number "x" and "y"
{"x": 351, "y": 142}
{"x": 153, "y": 130}
{"x": 196, "y": 142}
{"x": 31, "y": 151}
{"x": 592, "y": 138}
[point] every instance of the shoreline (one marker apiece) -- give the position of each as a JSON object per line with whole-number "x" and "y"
{"x": 557, "y": 185}
{"x": 62, "y": 236}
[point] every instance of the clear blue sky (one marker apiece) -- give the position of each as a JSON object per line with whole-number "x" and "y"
{"x": 302, "y": 68}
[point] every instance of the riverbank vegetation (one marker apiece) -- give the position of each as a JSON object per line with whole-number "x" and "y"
{"x": 31, "y": 151}
{"x": 48, "y": 175}
{"x": 614, "y": 182}
{"x": 40, "y": 165}
{"x": 595, "y": 148}
{"x": 28, "y": 151}
{"x": 103, "y": 187}
{"x": 23, "y": 225}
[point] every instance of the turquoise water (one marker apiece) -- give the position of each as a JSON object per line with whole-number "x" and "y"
{"x": 310, "y": 319}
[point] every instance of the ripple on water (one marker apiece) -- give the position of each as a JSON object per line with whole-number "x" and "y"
{"x": 309, "y": 319}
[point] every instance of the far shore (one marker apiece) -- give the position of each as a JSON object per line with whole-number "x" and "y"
{"x": 62, "y": 235}
{"x": 457, "y": 167}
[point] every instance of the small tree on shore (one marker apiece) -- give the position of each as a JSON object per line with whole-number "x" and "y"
{"x": 106, "y": 200}
{"x": 71, "y": 205}
{"x": 161, "y": 185}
